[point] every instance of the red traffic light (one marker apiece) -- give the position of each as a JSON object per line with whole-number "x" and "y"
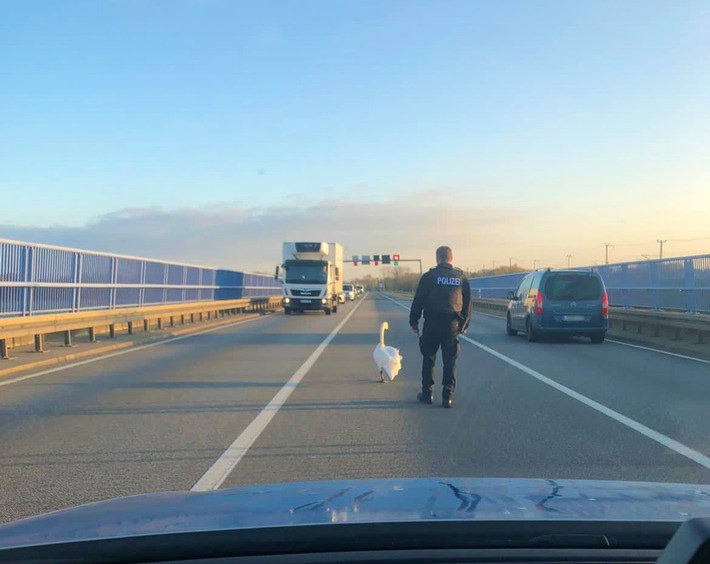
{"x": 395, "y": 258}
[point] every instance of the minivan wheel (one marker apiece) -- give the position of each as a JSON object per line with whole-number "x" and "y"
{"x": 509, "y": 327}
{"x": 598, "y": 339}
{"x": 530, "y": 334}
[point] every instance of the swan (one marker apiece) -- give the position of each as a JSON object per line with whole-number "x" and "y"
{"x": 388, "y": 359}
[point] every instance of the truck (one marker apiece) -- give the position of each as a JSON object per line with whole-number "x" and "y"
{"x": 312, "y": 276}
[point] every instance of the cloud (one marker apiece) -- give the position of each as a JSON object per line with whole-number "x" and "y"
{"x": 234, "y": 236}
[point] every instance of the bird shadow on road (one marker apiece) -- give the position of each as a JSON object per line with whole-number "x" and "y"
{"x": 204, "y": 385}
{"x": 348, "y": 404}
{"x": 283, "y": 339}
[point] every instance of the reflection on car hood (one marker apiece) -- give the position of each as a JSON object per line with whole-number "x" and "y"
{"x": 358, "y": 501}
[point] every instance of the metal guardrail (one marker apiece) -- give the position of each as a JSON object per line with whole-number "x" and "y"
{"x": 45, "y": 279}
{"x": 676, "y": 284}
{"x": 673, "y": 324}
{"x": 38, "y": 326}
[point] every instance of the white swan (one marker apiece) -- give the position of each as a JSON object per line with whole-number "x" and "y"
{"x": 388, "y": 359}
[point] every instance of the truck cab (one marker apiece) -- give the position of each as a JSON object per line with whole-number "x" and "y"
{"x": 312, "y": 276}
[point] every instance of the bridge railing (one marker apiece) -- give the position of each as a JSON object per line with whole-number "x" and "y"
{"x": 675, "y": 284}
{"x": 43, "y": 279}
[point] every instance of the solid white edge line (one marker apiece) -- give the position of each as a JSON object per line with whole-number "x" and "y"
{"x": 660, "y": 438}
{"x": 126, "y": 351}
{"x": 225, "y": 464}
{"x": 632, "y": 345}
{"x": 683, "y": 356}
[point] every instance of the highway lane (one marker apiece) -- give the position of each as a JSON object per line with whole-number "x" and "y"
{"x": 341, "y": 423}
{"x": 152, "y": 420}
{"x": 158, "y": 419}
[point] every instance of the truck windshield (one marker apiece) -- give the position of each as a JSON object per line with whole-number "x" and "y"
{"x": 304, "y": 272}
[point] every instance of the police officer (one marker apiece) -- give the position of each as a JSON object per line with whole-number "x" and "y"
{"x": 444, "y": 295}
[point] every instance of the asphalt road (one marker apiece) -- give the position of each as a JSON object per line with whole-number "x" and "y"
{"x": 287, "y": 406}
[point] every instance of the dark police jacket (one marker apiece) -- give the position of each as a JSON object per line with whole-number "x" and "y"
{"x": 443, "y": 292}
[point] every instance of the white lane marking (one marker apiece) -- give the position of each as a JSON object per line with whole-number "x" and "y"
{"x": 225, "y": 464}
{"x": 489, "y": 314}
{"x": 125, "y": 351}
{"x": 622, "y": 343}
{"x": 658, "y": 351}
{"x": 660, "y": 438}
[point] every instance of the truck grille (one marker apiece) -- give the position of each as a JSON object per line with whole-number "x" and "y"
{"x": 309, "y": 293}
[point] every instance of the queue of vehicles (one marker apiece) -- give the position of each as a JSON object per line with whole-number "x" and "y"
{"x": 311, "y": 275}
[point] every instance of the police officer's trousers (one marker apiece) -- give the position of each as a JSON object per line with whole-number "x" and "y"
{"x": 444, "y": 333}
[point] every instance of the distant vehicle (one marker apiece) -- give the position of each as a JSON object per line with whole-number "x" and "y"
{"x": 359, "y": 289}
{"x": 349, "y": 291}
{"x": 341, "y": 298}
{"x": 312, "y": 276}
{"x": 561, "y": 302}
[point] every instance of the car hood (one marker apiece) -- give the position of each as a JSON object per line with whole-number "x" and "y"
{"x": 359, "y": 501}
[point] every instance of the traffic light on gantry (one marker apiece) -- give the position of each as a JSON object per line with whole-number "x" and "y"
{"x": 395, "y": 260}
{"x": 376, "y": 259}
{"x": 385, "y": 259}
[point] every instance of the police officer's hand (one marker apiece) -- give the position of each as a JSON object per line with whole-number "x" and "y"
{"x": 415, "y": 329}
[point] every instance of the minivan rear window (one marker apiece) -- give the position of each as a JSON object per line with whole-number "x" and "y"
{"x": 573, "y": 287}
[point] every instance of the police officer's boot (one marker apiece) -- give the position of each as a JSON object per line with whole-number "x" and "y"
{"x": 447, "y": 399}
{"x": 426, "y": 396}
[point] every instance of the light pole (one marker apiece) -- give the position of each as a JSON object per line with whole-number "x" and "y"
{"x": 606, "y": 252}
{"x": 568, "y": 260}
{"x": 510, "y": 265}
{"x": 660, "y": 242}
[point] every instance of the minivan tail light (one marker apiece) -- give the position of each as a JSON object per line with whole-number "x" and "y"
{"x": 605, "y": 305}
{"x": 538, "y": 303}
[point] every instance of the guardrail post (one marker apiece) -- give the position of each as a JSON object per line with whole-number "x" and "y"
{"x": 182, "y": 319}
{"x": 146, "y": 325}
{"x": 201, "y": 317}
{"x": 654, "y": 284}
{"x": 625, "y": 284}
{"x": 39, "y": 343}
{"x": 130, "y": 327}
{"x": 192, "y": 318}
{"x": 691, "y": 304}
{"x": 68, "y": 339}
{"x": 209, "y": 315}
{"x": 172, "y": 321}
{"x": 112, "y": 330}
{"x": 4, "y": 350}
{"x": 24, "y": 259}
{"x": 160, "y": 323}
{"x": 92, "y": 334}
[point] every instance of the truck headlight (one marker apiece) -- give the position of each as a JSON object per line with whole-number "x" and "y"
{"x": 324, "y": 301}
{"x": 287, "y": 300}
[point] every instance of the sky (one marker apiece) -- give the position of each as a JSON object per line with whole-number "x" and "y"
{"x": 209, "y": 131}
